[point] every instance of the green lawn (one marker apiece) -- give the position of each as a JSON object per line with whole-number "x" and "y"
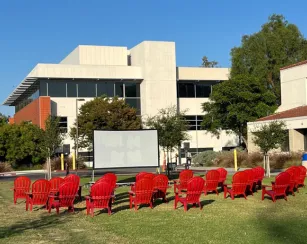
{"x": 220, "y": 221}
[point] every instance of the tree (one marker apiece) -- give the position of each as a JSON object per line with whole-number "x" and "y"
{"x": 22, "y": 144}
{"x": 52, "y": 139}
{"x": 235, "y": 102}
{"x": 171, "y": 127}
{"x": 3, "y": 119}
{"x": 278, "y": 44}
{"x": 208, "y": 64}
{"x": 103, "y": 113}
{"x": 268, "y": 137}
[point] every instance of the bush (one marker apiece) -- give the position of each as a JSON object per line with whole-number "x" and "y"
{"x": 245, "y": 160}
{"x": 204, "y": 158}
{"x": 5, "y": 167}
{"x": 56, "y": 163}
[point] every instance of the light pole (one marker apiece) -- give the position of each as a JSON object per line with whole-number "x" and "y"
{"x": 77, "y": 130}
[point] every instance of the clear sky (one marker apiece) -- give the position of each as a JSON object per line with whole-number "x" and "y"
{"x": 36, "y": 31}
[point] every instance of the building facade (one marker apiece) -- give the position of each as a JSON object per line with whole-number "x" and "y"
{"x": 293, "y": 109}
{"x": 146, "y": 76}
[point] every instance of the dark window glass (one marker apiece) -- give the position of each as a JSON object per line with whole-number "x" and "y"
{"x": 56, "y": 88}
{"x": 194, "y": 121}
{"x": 132, "y": 89}
{"x": 119, "y": 89}
{"x": 134, "y": 103}
{"x": 86, "y": 89}
{"x": 86, "y": 156}
{"x": 105, "y": 88}
{"x": 63, "y": 124}
{"x": 71, "y": 89}
{"x": 186, "y": 90}
{"x": 203, "y": 90}
{"x": 43, "y": 88}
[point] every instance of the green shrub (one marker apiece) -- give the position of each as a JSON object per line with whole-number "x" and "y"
{"x": 205, "y": 159}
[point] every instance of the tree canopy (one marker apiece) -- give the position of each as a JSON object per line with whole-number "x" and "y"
{"x": 3, "y": 119}
{"x": 253, "y": 88}
{"x": 270, "y": 136}
{"x": 278, "y": 44}
{"x": 52, "y": 135}
{"x": 208, "y": 64}
{"x": 171, "y": 127}
{"x": 103, "y": 113}
{"x": 235, "y": 102}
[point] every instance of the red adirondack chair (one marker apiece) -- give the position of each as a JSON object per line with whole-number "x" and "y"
{"x": 260, "y": 175}
{"x": 55, "y": 184}
{"x": 195, "y": 187}
{"x": 239, "y": 183}
{"x": 303, "y": 172}
{"x": 109, "y": 177}
{"x": 21, "y": 187}
{"x": 160, "y": 185}
{"x": 39, "y": 194}
{"x": 184, "y": 178}
{"x": 223, "y": 176}
{"x": 139, "y": 176}
{"x": 65, "y": 198}
{"x": 142, "y": 175}
{"x": 294, "y": 179}
{"x": 212, "y": 181}
{"x": 75, "y": 179}
{"x": 149, "y": 176}
{"x": 279, "y": 187}
{"x": 101, "y": 197}
{"x": 250, "y": 181}
{"x": 142, "y": 194}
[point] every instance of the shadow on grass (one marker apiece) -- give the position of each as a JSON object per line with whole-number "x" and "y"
{"x": 203, "y": 203}
{"x": 18, "y": 228}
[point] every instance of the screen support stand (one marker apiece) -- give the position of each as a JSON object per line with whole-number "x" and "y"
{"x": 93, "y": 175}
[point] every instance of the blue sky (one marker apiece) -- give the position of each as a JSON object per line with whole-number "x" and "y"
{"x": 36, "y": 31}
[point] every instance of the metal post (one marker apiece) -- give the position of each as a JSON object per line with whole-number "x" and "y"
{"x": 77, "y": 132}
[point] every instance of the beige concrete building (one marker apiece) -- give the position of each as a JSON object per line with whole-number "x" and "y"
{"x": 293, "y": 109}
{"x": 146, "y": 76}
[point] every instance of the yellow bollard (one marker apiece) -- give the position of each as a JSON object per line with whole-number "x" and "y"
{"x": 235, "y": 159}
{"x": 62, "y": 161}
{"x": 73, "y": 161}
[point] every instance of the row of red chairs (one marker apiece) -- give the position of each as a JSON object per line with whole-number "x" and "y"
{"x": 47, "y": 193}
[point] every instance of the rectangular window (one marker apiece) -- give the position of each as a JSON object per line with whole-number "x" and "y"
{"x": 132, "y": 89}
{"x": 43, "y": 88}
{"x": 194, "y": 121}
{"x": 56, "y": 88}
{"x": 63, "y": 124}
{"x": 203, "y": 90}
{"x": 71, "y": 89}
{"x": 186, "y": 90}
{"x": 134, "y": 103}
{"x": 119, "y": 89}
{"x": 86, "y": 156}
{"x": 86, "y": 89}
{"x": 105, "y": 88}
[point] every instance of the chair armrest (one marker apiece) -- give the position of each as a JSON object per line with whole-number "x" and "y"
{"x": 176, "y": 181}
{"x": 87, "y": 197}
{"x": 227, "y": 185}
{"x": 264, "y": 186}
{"x": 131, "y": 192}
{"x": 28, "y": 193}
{"x": 52, "y": 196}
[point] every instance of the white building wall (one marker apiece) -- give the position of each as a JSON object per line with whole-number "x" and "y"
{"x": 293, "y": 83}
{"x": 72, "y": 58}
{"x": 158, "y": 63}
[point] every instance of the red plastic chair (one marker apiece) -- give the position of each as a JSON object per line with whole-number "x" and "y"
{"x": 142, "y": 175}
{"x": 223, "y": 175}
{"x": 184, "y": 178}
{"x": 101, "y": 197}
{"x": 142, "y": 194}
{"x": 239, "y": 183}
{"x": 195, "y": 187}
{"x": 21, "y": 187}
{"x": 149, "y": 176}
{"x": 260, "y": 175}
{"x": 303, "y": 172}
{"x": 39, "y": 194}
{"x": 212, "y": 181}
{"x": 109, "y": 177}
{"x": 55, "y": 184}
{"x": 251, "y": 178}
{"x": 294, "y": 179}
{"x": 160, "y": 185}
{"x": 279, "y": 187}
{"x": 75, "y": 179}
{"x": 139, "y": 176}
{"x": 65, "y": 198}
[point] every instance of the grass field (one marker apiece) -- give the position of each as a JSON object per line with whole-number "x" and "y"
{"x": 220, "y": 221}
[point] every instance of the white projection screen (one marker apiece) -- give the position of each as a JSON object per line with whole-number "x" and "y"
{"x": 125, "y": 149}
